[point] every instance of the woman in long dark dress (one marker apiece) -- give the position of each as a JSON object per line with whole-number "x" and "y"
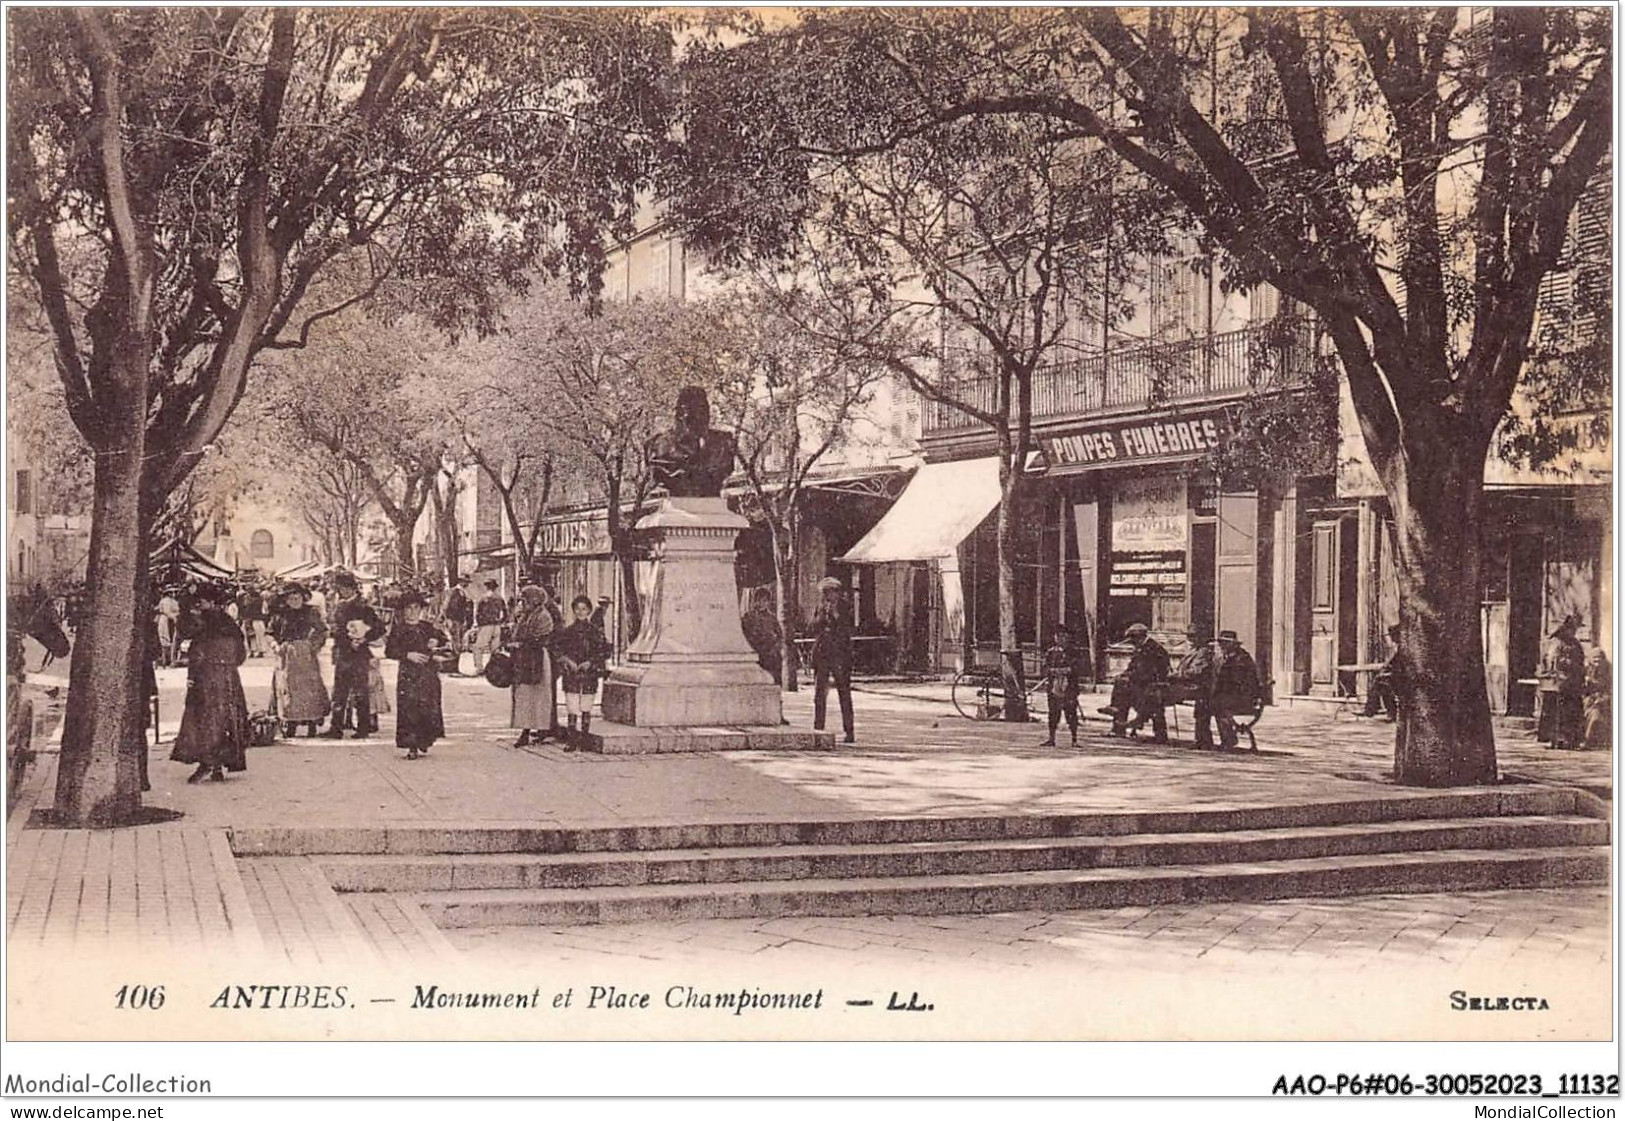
{"x": 413, "y": 642}
{"x": 214, "y": 724}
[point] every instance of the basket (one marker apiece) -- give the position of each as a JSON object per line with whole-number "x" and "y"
{"x": 499, "y": 670}
{"x": 263, "y": 728}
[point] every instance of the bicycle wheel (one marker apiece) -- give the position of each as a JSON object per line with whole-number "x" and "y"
{"x": 966, "y": 695}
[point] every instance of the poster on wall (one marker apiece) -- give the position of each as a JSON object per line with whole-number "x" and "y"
{"x": 1148, "y": 515}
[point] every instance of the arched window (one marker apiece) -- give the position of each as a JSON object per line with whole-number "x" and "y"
{"x": 261, "y": 545}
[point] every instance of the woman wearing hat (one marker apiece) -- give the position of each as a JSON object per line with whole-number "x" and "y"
{"x": 533, "y": 712}
{"x": 413, "y": 642}
{"x": 214, "y": 724}
{"x": 297, "y": 633}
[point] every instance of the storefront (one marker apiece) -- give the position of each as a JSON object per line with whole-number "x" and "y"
{"x": 1120, "y": 524}
{"x": 573, "y": 554}
{"x": 1156, "y": 540}
{"x": 1547, "y": 552}
{"x": 924, "y": 557}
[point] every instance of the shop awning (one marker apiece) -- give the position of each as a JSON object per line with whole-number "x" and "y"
{"x": 304, "y": 570}
{"x": 940, "y": 507}
{"x": 176, "y": 560}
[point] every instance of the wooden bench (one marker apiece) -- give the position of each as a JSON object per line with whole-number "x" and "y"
{"x": 1176, "y": 693}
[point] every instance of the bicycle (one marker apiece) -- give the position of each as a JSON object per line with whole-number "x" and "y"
{"x": 978, "y": 693}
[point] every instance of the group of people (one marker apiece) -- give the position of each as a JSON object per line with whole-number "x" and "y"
{"x": 546, "y": 653}
{"x": 543, "y": 653}
{"x": 215, "y": 732}
{"x": 831, "y": 654}
{"x": 1575, "y": 693}
{"x": 1218, "y": 676}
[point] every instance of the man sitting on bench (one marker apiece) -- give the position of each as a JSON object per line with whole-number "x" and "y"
{"x": 1235, "y": 687}
{"x": 1193, "y": 680}
{"x": 1140, "y": 687}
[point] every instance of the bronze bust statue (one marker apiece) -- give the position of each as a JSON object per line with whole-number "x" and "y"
{"x": 691, "y": 459}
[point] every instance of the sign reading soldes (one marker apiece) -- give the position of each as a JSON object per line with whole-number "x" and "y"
{"x": 1137, "y": 440}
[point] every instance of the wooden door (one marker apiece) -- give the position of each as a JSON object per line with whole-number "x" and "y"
{"x": 1323, "y": 622}
{"x": 1086, "y": 522}
{"x": 1236, "y": 568}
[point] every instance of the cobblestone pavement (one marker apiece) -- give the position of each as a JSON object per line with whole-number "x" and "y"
{"x": 1538, "y": 928}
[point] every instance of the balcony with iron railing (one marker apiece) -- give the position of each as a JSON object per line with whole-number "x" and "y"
{"x": 1266, "y": 357}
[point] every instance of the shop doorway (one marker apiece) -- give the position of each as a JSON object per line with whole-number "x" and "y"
{"x": 1525, "y": 598}
{"x": 1204, "y": 546}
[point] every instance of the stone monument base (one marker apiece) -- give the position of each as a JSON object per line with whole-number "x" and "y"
{"x": 690, "y": 666}
{"x": 609, "y": 738}
{"x": 691, "y": 695}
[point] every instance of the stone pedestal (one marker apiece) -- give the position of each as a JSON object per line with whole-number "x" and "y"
{"x": 608, "y": 738}
{"x": 691, "y": 666}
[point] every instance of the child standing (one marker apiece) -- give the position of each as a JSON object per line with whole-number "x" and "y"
{"x": 582, "y": 652}
{"x": 1061, "y": 684}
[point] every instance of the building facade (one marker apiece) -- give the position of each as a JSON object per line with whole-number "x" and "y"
{"x": 1131, "y": 521}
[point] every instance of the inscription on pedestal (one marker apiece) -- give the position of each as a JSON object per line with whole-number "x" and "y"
{"x": 691, "y": 666}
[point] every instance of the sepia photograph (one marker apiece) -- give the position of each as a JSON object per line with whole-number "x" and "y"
{"x": 811, "y": 524}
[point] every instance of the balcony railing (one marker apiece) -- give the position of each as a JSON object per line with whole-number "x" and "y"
{"x": 1268, "y": 357}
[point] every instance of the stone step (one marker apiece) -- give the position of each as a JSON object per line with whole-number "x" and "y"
{"x": 499, "y": 837}
{"x": 1054, "y": 890}
{"x": 514, "y": 871}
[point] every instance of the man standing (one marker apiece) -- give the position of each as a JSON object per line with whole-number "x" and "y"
{"x": 354, "y": 626}
{"x": 1235, "y": 687}
{"x": 1140, "y": 687}
{"x": 458, "y": 614}
{"x": 490, "y": 613}
{"x": 1382, "y": 697}
{"x": 1193, "y": 678}
{"x": 762, "y": 631}
{"x": 832, "y": 656}
{"x": 251, "y": 614}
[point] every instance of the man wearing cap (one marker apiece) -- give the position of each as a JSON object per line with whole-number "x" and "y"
{"x": 1140, "y": 687}
{"x": 458, "y": 613}
{"x": 490, "y": 613}
{"x": 832, "y": 655}
{"x": 355, "y": 625}
{"x": 1193, "y": 677}
{"x": 1235, "y": 687}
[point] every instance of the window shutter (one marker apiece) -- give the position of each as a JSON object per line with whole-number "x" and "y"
{"x": 1263, "y": 303}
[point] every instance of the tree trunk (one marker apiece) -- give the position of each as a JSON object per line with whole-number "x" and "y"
{"x": 620, "y": 543}
{"x": 98, "y": 779}
{"x": 1444, "y": 735}
{"x": 405, "y": 556}
{"x": 350, "y": 542}
{"x": 630, "y": 603}
{"x": 786, "y": 577}
{"x": 1009, "y": 525}
{"x": 445, "y": 522}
